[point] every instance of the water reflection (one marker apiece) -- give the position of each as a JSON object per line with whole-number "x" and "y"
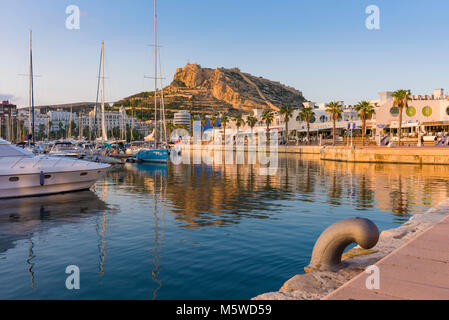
{"x": 158, "y": 231}
{"x": 202, "y": 195}
{"x": 21, "y": 218}
{"x": 151, "y": 179}
{"x": 31, "y": 256}
{"x": 177, "y": 229}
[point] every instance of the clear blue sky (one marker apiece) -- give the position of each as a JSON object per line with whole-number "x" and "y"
{"x": 320, "y": 47}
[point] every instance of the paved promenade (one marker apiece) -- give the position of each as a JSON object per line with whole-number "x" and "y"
{"x": 417, "y": 270}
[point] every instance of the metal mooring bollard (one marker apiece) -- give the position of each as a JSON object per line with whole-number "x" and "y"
{"x": 332, "y": 242}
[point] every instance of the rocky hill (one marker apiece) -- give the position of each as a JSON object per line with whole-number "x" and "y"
{"x": 218, "y": 91}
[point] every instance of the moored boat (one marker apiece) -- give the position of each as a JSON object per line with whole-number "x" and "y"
{"x": 24, "y": 174}
{"x": 156, "y": 153}
{"x": 65, "y": 149}
{"x": 152, "y": 155}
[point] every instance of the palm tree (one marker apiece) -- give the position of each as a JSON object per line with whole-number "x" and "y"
{"x": 41, "y": 133}
{"x": 203, "y": 122}
{"x": 50, "y": 124}
{"x": 287, "y": 112}
{"x": 335, "y": 109}
{"x": 306, "y": 114}
{"x": 239, "y": 121}
{"x": 251, "y": 121}
{"x": 73, "y": 128}
{"x": 365, "y": 110}
{"x": 268, "y": 117}
{"x": 61, "y": 133}
{"x": 170, "y": 128}
{"x": 224, "y": 120}
{"x": 400, "y": 100}
{"x": 213, "y": 121}
{"x": 192, "y": 120}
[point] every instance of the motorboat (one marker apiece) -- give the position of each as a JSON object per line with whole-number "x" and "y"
{"x": 24, "y": 174}
{"x": 65, "y": 149}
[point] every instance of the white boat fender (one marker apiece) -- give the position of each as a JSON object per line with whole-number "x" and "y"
{"x": 42, "y": 178}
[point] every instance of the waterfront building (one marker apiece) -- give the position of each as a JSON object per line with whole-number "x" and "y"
{"x": 182, "y": 118}
{"x": 428, "y": 113}
{"x": 320, "y": 123}
{"x": 8, "y": 110}
{"x": 113, "y": 119}
{"x": 41, "y": 119}
{"x": 60, "y": 118}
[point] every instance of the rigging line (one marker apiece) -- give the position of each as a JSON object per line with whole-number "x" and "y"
{"x": 108, "y": 84}
{"x": 162, "y": 94}
{"x": 96, "y": 99}
{"x": 156, "y": 140}
{"x": 32, "y": 90}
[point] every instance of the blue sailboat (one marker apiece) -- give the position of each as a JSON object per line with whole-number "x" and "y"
{"x": 152, "y": 155}
{"x": 155, "y": 154}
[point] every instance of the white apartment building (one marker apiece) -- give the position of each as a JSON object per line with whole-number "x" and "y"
{"x": 182, "y": 118}
{"x": 113, "y": 119}
{"x": 60, "y": 118}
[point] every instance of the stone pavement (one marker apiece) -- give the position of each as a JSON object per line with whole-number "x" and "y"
{"x": 419, "y": 270}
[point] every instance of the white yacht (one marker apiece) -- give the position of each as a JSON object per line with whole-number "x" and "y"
{"x": 24, "y": 174}
{"x": 65, "y": 149}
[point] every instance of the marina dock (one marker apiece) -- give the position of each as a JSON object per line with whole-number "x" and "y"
{"x": 419, "y": 269}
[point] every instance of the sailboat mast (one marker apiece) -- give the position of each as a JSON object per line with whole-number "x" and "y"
{"x": 80, "y": 128}
{"x": 155, "y": 76}
{"x": 69, "y": 134}
{"x": 31, "y": 93}
{"x": 96, "y": 111}
{"x": 29, "y": 88}
{"x": 164, "y": 126}
{"x": 103, "y": 127}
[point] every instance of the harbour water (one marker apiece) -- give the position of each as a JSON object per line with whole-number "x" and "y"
{"x": 198, "y": 231}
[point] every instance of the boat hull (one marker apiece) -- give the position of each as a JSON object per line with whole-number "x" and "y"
{"x": 15, "y": 186}
{"x": 153, "y": 155}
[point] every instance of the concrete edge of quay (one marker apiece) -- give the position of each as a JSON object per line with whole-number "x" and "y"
{"x": 394, "y": 155}
{"x": 398, "y": 155}
{"x": 319, "y": 284}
